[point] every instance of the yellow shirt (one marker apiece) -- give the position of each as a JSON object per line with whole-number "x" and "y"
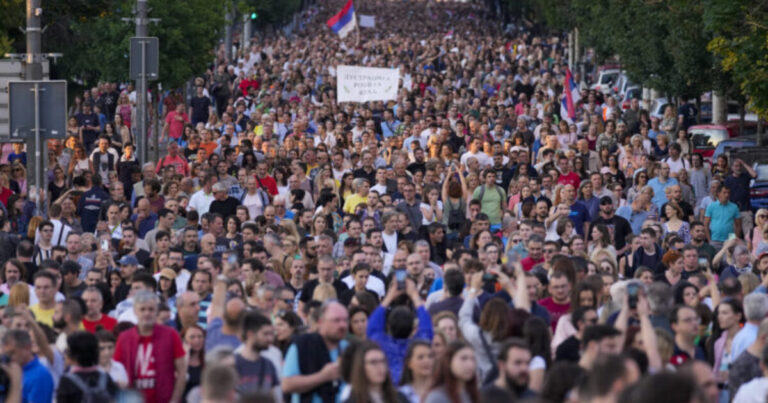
{"x": 44, "y": 316}
{"x": 352, "y": 201}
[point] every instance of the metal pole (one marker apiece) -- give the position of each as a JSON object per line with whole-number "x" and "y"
{"x": 229, "y": 16}
{"x": 38, "y": 157}
{"x": 33, "y": 70}
{"x": 142, "y": 31}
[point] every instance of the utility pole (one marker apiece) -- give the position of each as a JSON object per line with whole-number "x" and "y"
{"x": 33, "y": 70}
{"x": 142, "y": 31}
{"x": 141, "y": 85}
{"x": 228, "y": 29}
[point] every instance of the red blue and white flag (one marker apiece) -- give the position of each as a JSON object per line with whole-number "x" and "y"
{"x": 570, "y": 99}
{"x": 345, "y": 21}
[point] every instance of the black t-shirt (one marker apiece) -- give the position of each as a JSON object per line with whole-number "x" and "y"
{"x": 200, "y": 109}
{"x": 68, "y": 392}
{"x": 568, "y": 350}
{"x": 619, "y": 226}
{"x": 226, "y": 207}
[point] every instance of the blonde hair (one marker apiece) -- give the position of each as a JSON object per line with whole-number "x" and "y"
{"x": 749, "y": 281}
{"x": 324, "y": 292}
{"x": 19, "y": 295}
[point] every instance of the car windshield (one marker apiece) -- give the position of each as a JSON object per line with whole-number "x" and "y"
{"x": 608, "y": 78}
{"x": 707, "y": 138}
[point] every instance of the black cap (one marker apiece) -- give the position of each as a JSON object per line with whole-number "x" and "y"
{"x": 606, "y": 200}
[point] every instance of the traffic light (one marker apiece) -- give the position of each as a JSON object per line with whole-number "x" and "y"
{"x": 254, "y": 16}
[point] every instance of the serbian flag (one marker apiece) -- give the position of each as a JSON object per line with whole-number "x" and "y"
{"x": 570, "y": 99}
{"x": 345, "y": 21}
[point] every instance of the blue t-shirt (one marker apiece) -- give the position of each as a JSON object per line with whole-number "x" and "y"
{"x": 214, "y": 337}
{"x": 722, "y": 217}
{"x": 37, "y": 382}
{"x": 291, "y": 368}
{"x": 659, "y": 196}
{"x": 579, "y": 215}
{"x": 22, "y": 158}
{"x": 635, "y": 218}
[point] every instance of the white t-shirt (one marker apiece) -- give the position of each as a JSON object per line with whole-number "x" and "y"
{"x": 373, "y": 284}
{"x": 390, "y": 241}
{"x": 200, "y": 202}
{"x": 753, "y": 391}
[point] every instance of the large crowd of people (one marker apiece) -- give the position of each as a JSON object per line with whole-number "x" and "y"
{"x": 463, "y": 242}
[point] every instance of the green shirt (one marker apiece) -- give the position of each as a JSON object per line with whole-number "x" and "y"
{"x": 491, "y": 202}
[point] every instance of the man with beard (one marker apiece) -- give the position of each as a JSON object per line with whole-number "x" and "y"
{"x": 513, "y": 376}
{"x": 257, "y": 373}
{"x": 618, "y": 226}
{"x": 223, "y": 316}
{"x": 67, "y": 319}
{"x": 312, "y": 368}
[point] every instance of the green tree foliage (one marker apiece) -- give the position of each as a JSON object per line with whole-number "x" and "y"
{"x": 272, "y": 11}
{"x": 740, "y": 43}
{"x": 660, "y": 43}
{"x": 11, "y": 17}
{"x": 95, "y": 41}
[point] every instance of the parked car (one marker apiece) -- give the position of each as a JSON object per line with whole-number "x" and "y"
{"x": 623, "y": 84}
{"x": 605, "y": 81}
{"x": 657, "y": 107}
{"x": 634, "y": 92}
{"x": 705, "y": 138}
{"x": 758, "y": 188}
{"x": 736, "y": 142}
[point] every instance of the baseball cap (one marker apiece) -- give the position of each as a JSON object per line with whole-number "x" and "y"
{"x": 168, "y": 273}
{"x": 606, "y": 200}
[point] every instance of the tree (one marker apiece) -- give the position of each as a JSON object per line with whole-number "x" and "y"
{"x": 740, "y": 43}
{"x": 188, "y": 32}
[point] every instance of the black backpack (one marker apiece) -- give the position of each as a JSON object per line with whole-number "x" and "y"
{"x": 456, "y": 215}
{"x": 92, "y": 394}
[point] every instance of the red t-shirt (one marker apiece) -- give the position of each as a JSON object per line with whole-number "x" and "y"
{"x": 107, "y": 322}
{"x": 528, "y": 263}
{"x": 555, "y": 310}
{"x": 144, "y": 374}
{"x": 178, "y": 161}
{"x": 175, "y": 126}
{"x": 570, "y": 179}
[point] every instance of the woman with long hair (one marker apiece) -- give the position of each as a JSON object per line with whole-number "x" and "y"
{"x": 455, "y": 376}
{"x": 537, "y": 333}
{"x": 287, "y": 327}
{"x": 486, "y": 335}
{"x": 418, "y": 370}
{"x": 614, "y": 171}
{"x": 639, "y": 181}
{"x": 583, "y": 295}
{"x": 454, "y": 203}
{"x": 601, "y": 242}
{"x": 193, "y": 337}
{"x": 675, "y": 223}
{"x": 721, "y": 167}
{"x": 358, "y": 322}
{"x": 370, "y": 380}
{"x": 19, "y": 175}
{"x": 755, "y": 237}
{"x": 729, "y": 316}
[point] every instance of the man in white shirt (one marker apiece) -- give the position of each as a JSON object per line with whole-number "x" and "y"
{"x": 202, "y": 199}
{"x": 474, "y": 152}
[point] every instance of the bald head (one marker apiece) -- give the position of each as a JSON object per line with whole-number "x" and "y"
{"x": 333, "y": 322}
{"x": 233, "y": 310}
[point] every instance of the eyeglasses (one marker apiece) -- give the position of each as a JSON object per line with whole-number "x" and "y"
{"x": 762, "y": 216}
{"x": 288, "y": 300}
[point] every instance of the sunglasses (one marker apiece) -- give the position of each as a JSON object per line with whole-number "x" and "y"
{"x": 516, "y": 240}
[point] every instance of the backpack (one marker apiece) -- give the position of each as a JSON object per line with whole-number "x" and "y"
{"x": 91, "y": 394}
{"x": 498, "y": 190}
{"x": 456, "y": 215}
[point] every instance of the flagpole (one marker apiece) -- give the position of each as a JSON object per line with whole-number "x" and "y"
{"x": 357, "y": 33}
